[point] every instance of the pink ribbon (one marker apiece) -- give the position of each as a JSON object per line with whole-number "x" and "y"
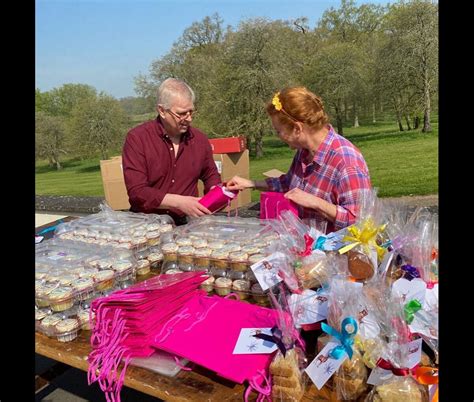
{"x": 264, "y": 389}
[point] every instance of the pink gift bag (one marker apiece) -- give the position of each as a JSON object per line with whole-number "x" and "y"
{"x": 273, "y": 203}
{"x": 217, "y": 198}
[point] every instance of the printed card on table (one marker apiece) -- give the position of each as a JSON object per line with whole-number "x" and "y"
{"x": 308, "y": 307}
{"x": 266, "y": 270}
{"x": 247, "y": 343}
{"x": 323, "y": 366}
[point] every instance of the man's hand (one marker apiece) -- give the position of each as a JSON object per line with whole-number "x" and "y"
{"x": 191, "y": 206}
{"x": 239, "y": 183}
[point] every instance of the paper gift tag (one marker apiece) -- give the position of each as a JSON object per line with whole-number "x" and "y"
{"x": 409, "y": 290}
{"x": 334, "y": 241}
{"x": 309, "y": 307}
{"x": 323, "y": 366}
{"x": 248, "y": 344}
{"x": 414, "y": 353}
{"x": 368, "y": 325}
{"x": 379, "y": 375}
{"x": 266, "y": 270}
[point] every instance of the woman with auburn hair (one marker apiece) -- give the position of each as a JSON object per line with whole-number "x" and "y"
{"x": 328, "y": 174}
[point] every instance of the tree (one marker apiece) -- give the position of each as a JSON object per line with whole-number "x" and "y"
{"x": 98, "y": 125}
{"x": 60, "y": 101}
{"x": 50, "y": 138}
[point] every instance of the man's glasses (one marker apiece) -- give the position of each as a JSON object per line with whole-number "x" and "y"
{"x": 182, "y": 115}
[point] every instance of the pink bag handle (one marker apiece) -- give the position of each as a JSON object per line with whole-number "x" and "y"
{"x": 264, "y": 391}
{"x": 232, "y": 295}
{"x": 265, "y": 208}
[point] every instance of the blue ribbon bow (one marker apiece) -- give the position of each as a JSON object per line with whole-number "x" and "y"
{"x": 345, "y": 337}
{"x": 277, "y": 338}
{"x": 50, "y": 229}
{"x": 319, "y": 243}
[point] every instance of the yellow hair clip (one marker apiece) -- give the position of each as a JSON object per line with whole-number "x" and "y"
{"x": 276, "y": 102}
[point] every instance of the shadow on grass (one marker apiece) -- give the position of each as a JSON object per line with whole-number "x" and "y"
{"x": 71, "y": 163}
{"x": 89, "y": 169}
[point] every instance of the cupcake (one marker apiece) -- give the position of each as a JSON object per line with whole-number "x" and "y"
{"x": 184, "y": 241}
{"x": 251, "y": 249}
{"x": 155, "y": 260}
{"x": 241, "y": 287}
{"x": 41, "y": 313}
{"x": 199, "y": 243}
{"x": 66, "y": 280}
{"x": 222, "y": 286}
{"x": 239, "y": 261}
{"x": 124, "y": 270}
{"x": 83, "y": 317}
{"x": 41, "y": 293}
{"x": 49, "y": 322}
{"x": 255, "y": 258}
{"x": 104, "y": 264}
{"x": 66, "y": 330}
{"x": 258, "y": 294}
{"x": 208, "y": 284}
{"x": 167, "y": 227}
{"x": 125, "y": 239}
{"x": 152, "y": 227}
{"x": 61, "y": 298}
{"x": 185, "y": 258}
{"x": 215, "y": 244}
{"x": 88, "y": 273}
{"x": 202, "y": 258}
{"x": 169, "y": 251}
{"x": 219, "y": 259}
{"x": 153, "y": 238}
{"x": 143, "y": 267}
{"x": 139, "y": 243}
{"x": 232, "y": 247}
{"x": 84, "y": 288}
{"x": 104, "y": 280}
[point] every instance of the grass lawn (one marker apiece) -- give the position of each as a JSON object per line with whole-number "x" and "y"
{"x": 400, "y": 163}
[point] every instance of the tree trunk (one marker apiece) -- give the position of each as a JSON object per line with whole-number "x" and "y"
{"x": 416, "y": 122}
{"x": 346, "y": 109}
{"x": 58, "y": 165}
{"x": 427, "y": 106}
{"x": 258, "y": 147}
{"x": 249, "y": 141}
{"x": 408, "y": 122}
{"x": 50, "y": 162}
{"x": 339, "y": 121}
{"x": 356, "y": 117}
{"x": 373, "y": 113}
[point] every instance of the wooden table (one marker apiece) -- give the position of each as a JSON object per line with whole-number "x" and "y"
{"x": 199, "y": 384}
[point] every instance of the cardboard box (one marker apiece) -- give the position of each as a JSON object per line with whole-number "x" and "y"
{"x": 230, "y": 165}
{"x": 228, "y": 145}
{"x": 114, "y": 184}
{"x": 273, "y": 173}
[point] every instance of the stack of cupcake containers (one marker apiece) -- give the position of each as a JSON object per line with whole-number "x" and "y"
{"x": 225, "y": 249}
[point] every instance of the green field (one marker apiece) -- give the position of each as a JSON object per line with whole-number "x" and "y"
{"x": 400, "y": 163}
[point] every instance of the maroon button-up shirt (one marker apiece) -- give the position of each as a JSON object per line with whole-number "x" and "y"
{"x": 151, "y": 169}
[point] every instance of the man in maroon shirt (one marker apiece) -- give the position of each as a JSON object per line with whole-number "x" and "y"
{"x": 163, "y": 159}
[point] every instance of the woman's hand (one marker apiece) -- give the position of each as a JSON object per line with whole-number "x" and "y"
{"x": 302, "y": 198}
{"x": 239, "y": 183}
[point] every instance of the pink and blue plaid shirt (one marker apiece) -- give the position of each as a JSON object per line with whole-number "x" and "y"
{"x": 337, "y": 174}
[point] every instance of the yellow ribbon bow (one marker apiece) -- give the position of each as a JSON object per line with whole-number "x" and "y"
{"x": 364, "y": 235}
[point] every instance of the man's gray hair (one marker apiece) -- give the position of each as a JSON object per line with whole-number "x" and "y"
{"x": 171, "y": 88}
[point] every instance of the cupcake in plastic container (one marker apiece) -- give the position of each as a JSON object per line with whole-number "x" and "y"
{"x": 241, "y": 287}
{"x": 152, "y": 227}
{"x": 48, "y": 324}
{"x": 185, "y": 258}
{"x": 202, "y": 259}
{"x": 39, "y": 315}
{"x": 66, "y": 280}
{"x": 61, "y": 298}
{"x": 84, "y": 288}
{"x": 216, "y": 244}
{"x": 67, "y": 330}
{"x": 238, "y": 261}
{"x": 222, "y": 286}
{"x": 184, "y": 241}
{"x": 104, "y": 280}
{"x": 143, "y": 267}
{"x": 42, "y": 291}
{"x": 199, "y": 243}
{"x": 83, "y": 317}
{"x": 125, "y": 273}
{"x": 167, "y": 227}
{"x": 170, "y": 256}
{"x": 219, "y": 259}
{"x": 173, "y": 271}
{"x": 139, "y": 243}
{"x": 156, "y": 259}
{"x": 208, "y": 284}
{"x": 153, "y": 238}
{"x": 259, "y": 295}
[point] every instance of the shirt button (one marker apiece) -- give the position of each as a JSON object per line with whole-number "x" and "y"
{"x": 171, "y": 149}
{"x": 172, "y": 181}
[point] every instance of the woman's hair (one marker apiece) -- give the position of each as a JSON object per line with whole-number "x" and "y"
{"x": 295, "y": 104}
{"x": 171, "y": 88}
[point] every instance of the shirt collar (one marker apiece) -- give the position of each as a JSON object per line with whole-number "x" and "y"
{"x": 324, "y": 147}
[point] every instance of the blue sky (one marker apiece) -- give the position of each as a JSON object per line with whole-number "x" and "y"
{"x": 106, "y": 43}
